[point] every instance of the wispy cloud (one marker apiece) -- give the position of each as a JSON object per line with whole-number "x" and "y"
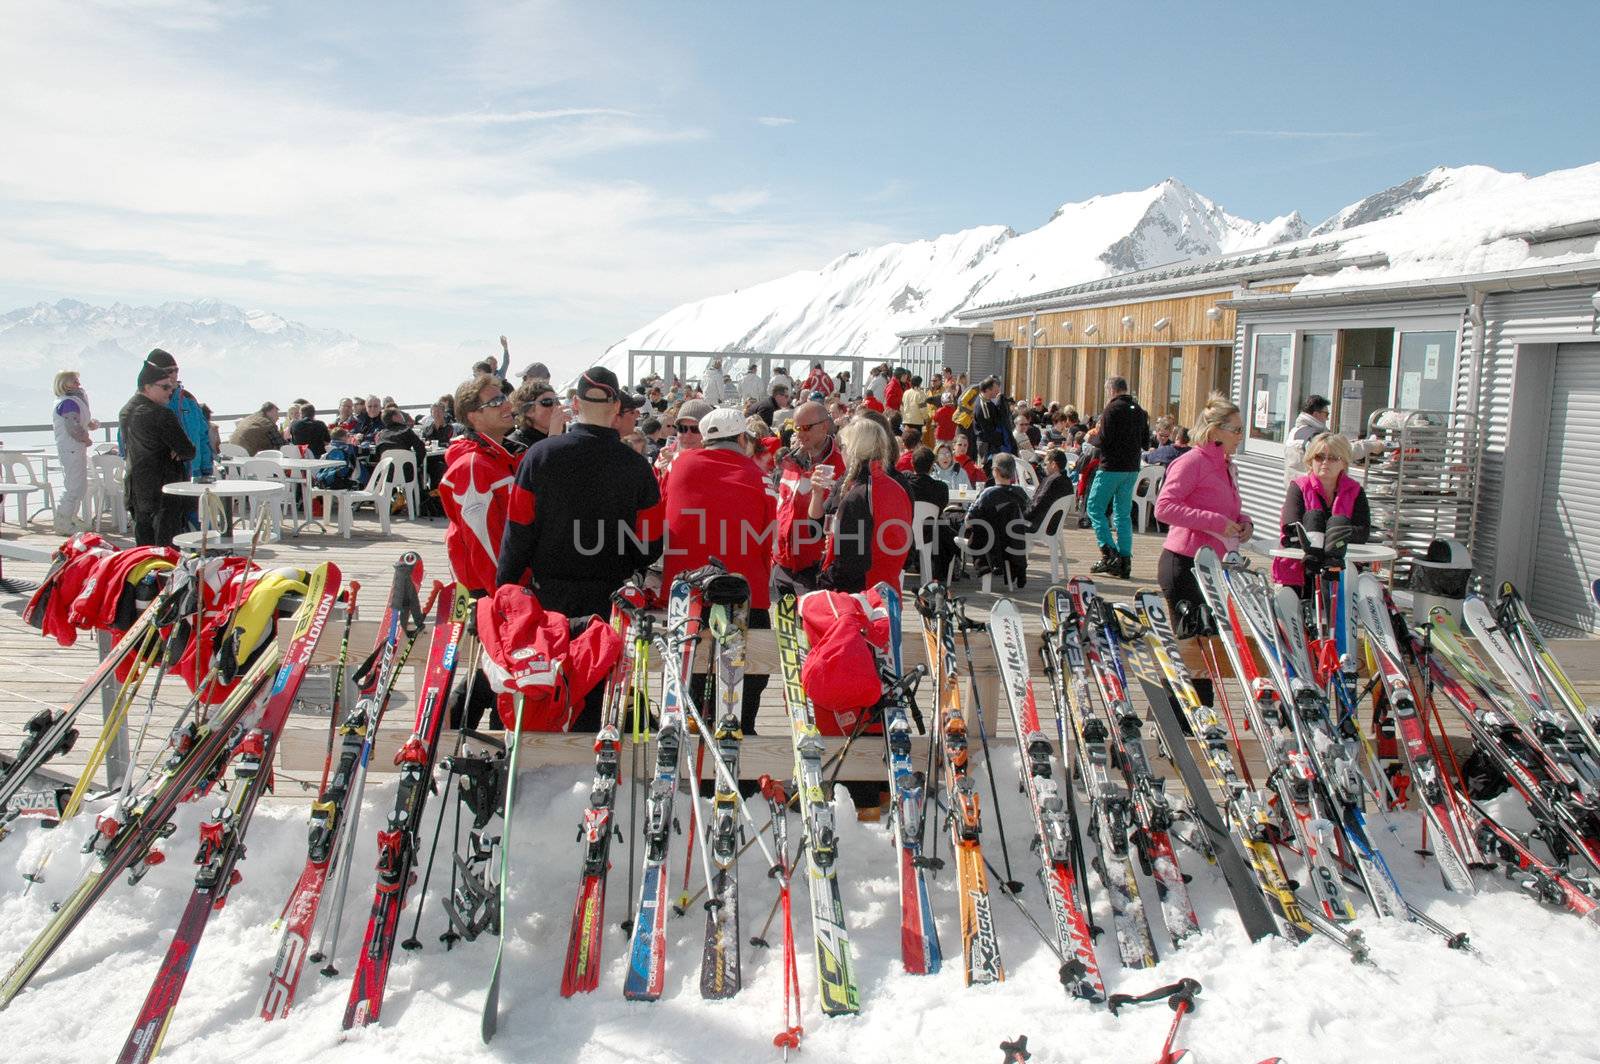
{"x": 739, "y": 202}
{"x": 776, "y": 120}
{"x": 1298, "y": 134}
{"x": 506, "y": 118}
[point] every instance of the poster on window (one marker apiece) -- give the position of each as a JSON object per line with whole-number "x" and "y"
{"x": 1350, "y": 412}
{"x": 1263, "y": 399}
{"x": 1430, "y": 362}
{"x": 1411, "y": 391}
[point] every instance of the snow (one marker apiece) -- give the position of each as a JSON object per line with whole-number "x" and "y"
{"x": 1519, "y": 1000}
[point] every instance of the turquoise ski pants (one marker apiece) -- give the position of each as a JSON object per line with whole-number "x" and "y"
{"x": 1114, "y": 490}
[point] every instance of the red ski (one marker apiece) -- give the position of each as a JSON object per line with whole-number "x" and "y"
{"x": 398, "y": 843}
{"x": 222, "y": 837}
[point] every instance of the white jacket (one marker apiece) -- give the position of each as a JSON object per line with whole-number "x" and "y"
{"x": 752, "y": 387}
{"x": 1302, "y": 432}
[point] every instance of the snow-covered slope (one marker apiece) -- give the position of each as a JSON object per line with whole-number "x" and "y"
{"x": 858, "y": 302}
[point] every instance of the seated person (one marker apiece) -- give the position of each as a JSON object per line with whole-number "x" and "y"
{"x": 995, "y": 525}
{"x": 1327, "y": 500}
{"x": 946, "y": 471}
{"x": 910, "y": 440}
{"x": 340, "y": 477}
{"x": 308, "y": 432}
{"x": 398, "y": 435}
{"x": 929, "y": 488}
{"x": 1057, "y": 484}
{"x": 1171, "y": 441}
{"x": 975, "y": 474}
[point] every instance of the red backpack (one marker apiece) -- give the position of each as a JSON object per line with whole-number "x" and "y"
{"x": 840, "y": 673}
{"x": 531, "y": 651}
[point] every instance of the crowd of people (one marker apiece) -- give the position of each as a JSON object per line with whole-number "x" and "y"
{"x": 795, "y": 486}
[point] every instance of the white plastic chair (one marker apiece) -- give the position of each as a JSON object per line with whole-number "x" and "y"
{"x": 925, "y": 535}
{"x": 18, "y": 469}
{"x": 1145, "y": 490}
{"x": 268, "y": 453}
{"x": 282, "y": 503}
{"x": 102, "y": 448}
{"x": 232, "y": 450}
{"x": 407, "y": 481}
{"x": 107, "y": 493}
{"x": 379, "y": 492}
{"x": 1050, "y": 532}
{"x": 1027, "y": 476}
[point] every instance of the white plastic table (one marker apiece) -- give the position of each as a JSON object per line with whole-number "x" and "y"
{"x": 299, "y": 472}
{"x": 226, "y": 490}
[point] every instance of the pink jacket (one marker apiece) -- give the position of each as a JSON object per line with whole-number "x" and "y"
{"x": 1199, "y": 496}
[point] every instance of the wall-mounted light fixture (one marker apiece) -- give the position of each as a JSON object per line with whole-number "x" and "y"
{"x": 1066, "y": 326}
{"x": 1213, "y": 314}
{"x": 1127, "y": 321}
{"x": 1090, "y": 329}
{"x": 1038, "y": 334}
{"x": 1161, "y": 323}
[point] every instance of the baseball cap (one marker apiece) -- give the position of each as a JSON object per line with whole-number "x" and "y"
{"x": 600, "y": 385}
{"x": 723, "y": 423}
{"x": 536, "y": 370}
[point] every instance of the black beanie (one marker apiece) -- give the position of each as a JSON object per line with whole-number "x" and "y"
{"x": 158, "y": 357}
{"x": 149, "y": 374}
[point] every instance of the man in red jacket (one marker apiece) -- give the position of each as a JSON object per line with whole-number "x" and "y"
{"x": 800, "y": 540}
{"x": 476, "y": 487}
{"x": 718, "y": 505}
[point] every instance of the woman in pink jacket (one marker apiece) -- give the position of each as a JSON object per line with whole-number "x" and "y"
{"x": 1199, "y": 500}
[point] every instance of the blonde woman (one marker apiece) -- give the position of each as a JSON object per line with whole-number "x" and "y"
{"x": 871, "y": 533}
{"x": 1199, "y": 500}
{"x": 1325, "y": 499}
{"x": 72, "y": 423}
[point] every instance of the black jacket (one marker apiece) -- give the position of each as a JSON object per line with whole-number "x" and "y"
{"x": 402, "y": 439}
{"x": 994, "y": 526}
{"x": 1053, "y": 487}
{"x": 1124, "y": 434}
{"x": 991, "y": 424}
{"x": 524, "y": 438}
{"x": 158, "y": 450}
{"x": 927, "y": 489}
{"x": 577, "y": 524}
{"x": 310, "y": 433}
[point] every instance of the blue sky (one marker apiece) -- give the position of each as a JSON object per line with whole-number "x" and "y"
{"x": 441, "y": 173}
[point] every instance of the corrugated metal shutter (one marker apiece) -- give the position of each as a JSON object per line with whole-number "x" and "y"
{"x": 1509, "y": 319}
{"x": 1568, "y": 556}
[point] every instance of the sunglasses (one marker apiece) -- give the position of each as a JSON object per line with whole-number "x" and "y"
{"x": 548, "y": 400}
{"x": 814, "y": 424}
{"x": 499, "y": 400}
{"x": 689, "y": 426}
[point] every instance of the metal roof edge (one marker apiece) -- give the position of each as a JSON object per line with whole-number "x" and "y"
{"x": 1123, "y": 288}
{"x": 1570, "y": 275}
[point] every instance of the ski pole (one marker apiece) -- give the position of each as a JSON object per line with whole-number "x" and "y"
{"x": 637, "y": 733}
{"x": 337, "y": 700}
{"x": 965, "y": 624}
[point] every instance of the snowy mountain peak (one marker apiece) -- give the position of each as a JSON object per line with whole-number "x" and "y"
{"x": 1442, "y": 183}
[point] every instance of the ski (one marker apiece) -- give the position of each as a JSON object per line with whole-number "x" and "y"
{"x": 1261, "y": 892}
{"x": 727, "y": 605}
{"x": 340, "y": 799}
{"x": 835, "y": 978}
{"x": 1516, "y": 619}
{"x": 222, "y": 837}
{"x": 627, "y": 686}
{"x": 919, "y": 937}
{"x": 123, "y": 839}
{"x": 1452, "y": 845}
{"x": 399, "y": 842}
{"x": 647, "y": 959}
{"x": 1152, "y": 810}
{"x": 1270, "y": 700}
{"x": 50, "y": 733}
{"x": 1110, "y": 806}
{"x": 489, "y": 1023}
{"x": 980, "y": 946}
{"x": 1053, "y": 831}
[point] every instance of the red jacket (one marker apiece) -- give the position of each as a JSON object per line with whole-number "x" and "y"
{"x": 903, "y": 463}
{"x": 475, "y": 492}
{"x": 892, "y": 394}
{"x": 944, "y": 424}
{"x": 819, "y": 381}
{"x": 871, "y": 535}
{"x": 718, "y": 506}
{"x": 800, "y": 541}
{"x": 972, "y": 469}
{"x": 871, "y": 403}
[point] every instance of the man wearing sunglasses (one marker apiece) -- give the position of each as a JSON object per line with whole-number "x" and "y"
{"x": 158, "y": 454}
{"x": 813, "y": 463}
{"x": 580, "y": 522}
{"x": 475, "y": 490}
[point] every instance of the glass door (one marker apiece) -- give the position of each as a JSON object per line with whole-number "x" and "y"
{"x": 1425, "y": 378}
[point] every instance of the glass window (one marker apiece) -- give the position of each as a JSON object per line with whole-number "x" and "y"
{"x": 1426, "y": 378}
{"x": 1174, "y": 382}
{"x": 1316, "y": 367}
{"x": 1270, "y": 372}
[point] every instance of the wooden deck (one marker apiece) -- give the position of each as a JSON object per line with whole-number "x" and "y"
{"x": 35, "y": 673}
